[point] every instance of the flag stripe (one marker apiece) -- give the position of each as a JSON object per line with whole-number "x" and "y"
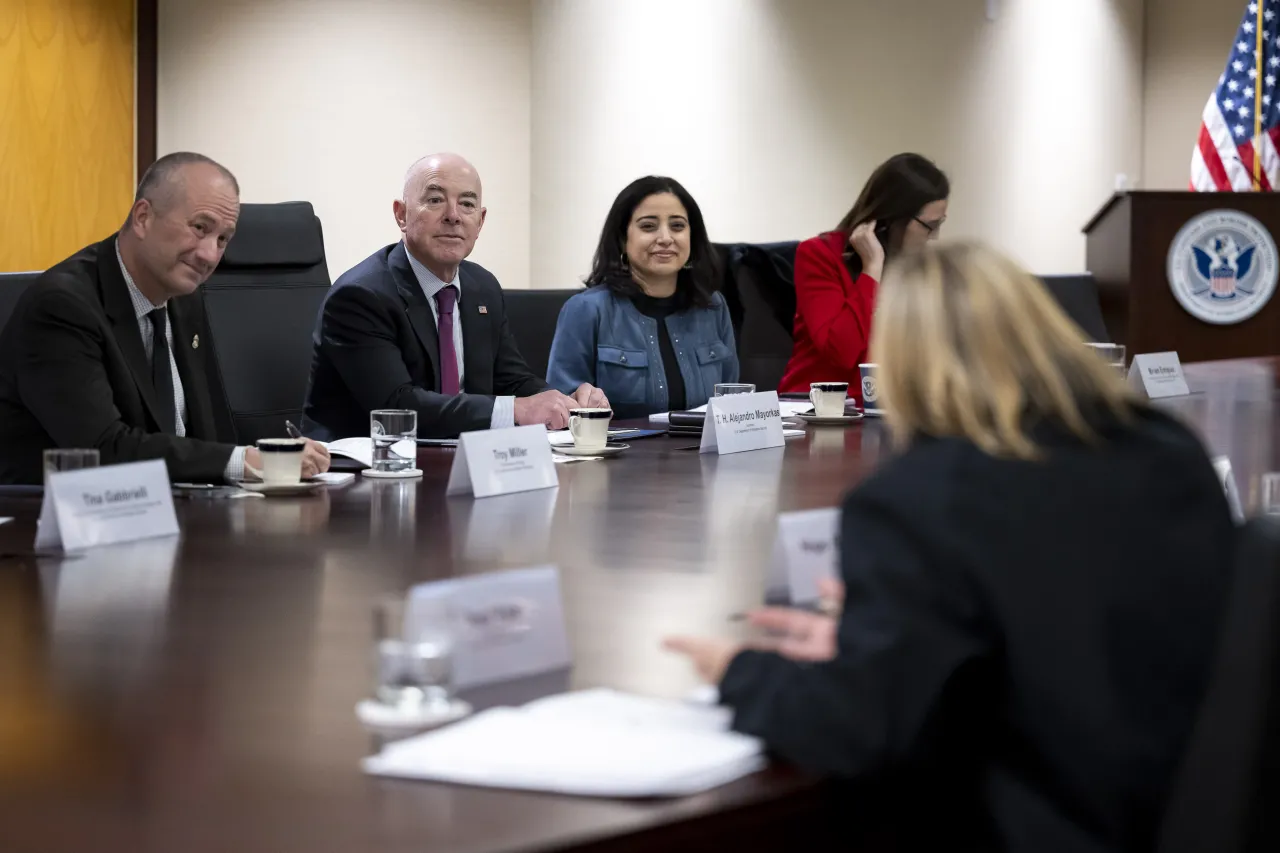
{"x": 1214, "y": 177}
{"x": 1225, "y": 149}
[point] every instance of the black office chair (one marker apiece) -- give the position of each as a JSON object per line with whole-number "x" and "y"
{"x": 263, "y": 302}
{"x": 532, "y": 315}
{"x": 760, "y": 290}
{"x": 1078, "y": 296}
{"x": 1227, "y": 794}
{"x": 12, "y": 286}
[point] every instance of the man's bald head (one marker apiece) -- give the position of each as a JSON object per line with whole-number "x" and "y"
{"x": 424, "y": 168}
{"x": 164, "y": 182}
{"x": 440, "y": 212}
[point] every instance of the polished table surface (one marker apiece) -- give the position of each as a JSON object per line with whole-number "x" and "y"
{"x": 198, "y": 693}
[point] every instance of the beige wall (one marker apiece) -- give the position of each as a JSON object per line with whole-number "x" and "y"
{"x": 1186, "y": 50}
{"x": 330, "y": 100}
{"x": 773, "y": 113}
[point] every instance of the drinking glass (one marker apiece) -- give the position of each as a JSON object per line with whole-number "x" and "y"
{"x": 69, "y": 459}
{"x": 1271, "y": 493}
{"x": 414, "y": 658}
{"x": 1112, "y": 354}
{"x": 725, "y": 388}
{"x": 395, "y": 439}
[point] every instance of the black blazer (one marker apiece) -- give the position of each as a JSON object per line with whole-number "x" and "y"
{"x": 73, "y": 373}
{"x": 1023, "y": 646}
{"x": 376, "y": 347}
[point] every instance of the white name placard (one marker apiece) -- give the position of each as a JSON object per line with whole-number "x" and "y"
{"x": 807, "y": 551}
{"x": 102, "y": 506}
{"x": 501, "y": 461}
{"x": 504, "y": 625}
{"x": 1158, "y": 374}
{"x": 1227, "y": 477}
{"x": 739, "y": 422}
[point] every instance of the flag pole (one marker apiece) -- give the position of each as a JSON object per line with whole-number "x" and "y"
{"x": 1257, "y": 104}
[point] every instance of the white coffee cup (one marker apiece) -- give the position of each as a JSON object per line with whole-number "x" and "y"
{"x": 828, "y": 398}
{"x": 590, "y": 428}
{"x": 281, "y": 460}
{"x": 870, "y": 389}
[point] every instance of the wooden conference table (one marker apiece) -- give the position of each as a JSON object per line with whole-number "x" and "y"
{"x": 198, "y": 694}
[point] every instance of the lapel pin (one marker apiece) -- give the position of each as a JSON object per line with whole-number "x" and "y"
{"x": 484, "y": 310}
{"x": 195, "y": 342}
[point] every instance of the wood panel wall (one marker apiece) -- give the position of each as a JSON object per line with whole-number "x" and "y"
{"x": 66, "y": 126}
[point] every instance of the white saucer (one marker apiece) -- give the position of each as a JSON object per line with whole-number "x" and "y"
{"x": 839, "y": 420}
{"x": 608, "y": 450}
{"x": 375, "y": 715}
{"x": 282, "y": 491}
{"x": 407, "y": 474}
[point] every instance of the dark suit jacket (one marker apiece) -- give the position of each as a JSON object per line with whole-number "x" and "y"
{"x": 1024, "y": 644}
{"x": 73, "y": 373}
{"x": 376, "y": 347}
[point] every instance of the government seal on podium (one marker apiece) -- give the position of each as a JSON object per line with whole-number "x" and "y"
{"x": 1223, "y": 266}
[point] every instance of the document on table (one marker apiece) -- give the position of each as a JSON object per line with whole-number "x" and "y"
{"x": 594, "y": 743}
{"x": 332, "y": 478}
{"x": 359, "y": 448}
{"x": 790, "y": 408}
{"x": 562, "y": 437}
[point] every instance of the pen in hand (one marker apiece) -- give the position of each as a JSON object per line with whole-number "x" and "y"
{"x": 294, "y": 432}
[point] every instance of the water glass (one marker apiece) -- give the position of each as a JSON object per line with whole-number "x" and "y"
{"x": 395, "y": 439}
{"x": 1112, "y": 354}
{"x": 414, "y": 655}
{"x": 1271, "y": 493}
{"x": 69, "y": 459}
{"x": 725, "y": 388}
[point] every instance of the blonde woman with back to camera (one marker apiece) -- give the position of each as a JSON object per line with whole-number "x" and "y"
{"x": 1031, "y": 586}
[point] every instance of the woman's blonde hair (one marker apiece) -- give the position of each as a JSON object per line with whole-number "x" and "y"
{"x": 971, "y": 345}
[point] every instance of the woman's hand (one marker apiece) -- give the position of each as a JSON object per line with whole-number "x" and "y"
{"x": 796, "y": 634}
{"x": 864, "y": 241}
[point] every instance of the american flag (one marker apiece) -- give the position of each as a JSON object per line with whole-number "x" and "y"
{"x": 1238, "y": 136}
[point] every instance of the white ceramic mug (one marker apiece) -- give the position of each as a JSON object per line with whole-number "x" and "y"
{"x": 828, "y": 398}
{"x": 281, "y": 460}
{"x": 870, "y": 389}
{"x": 590, "y": 428}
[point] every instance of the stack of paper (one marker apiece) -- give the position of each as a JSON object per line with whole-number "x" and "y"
{"x": 596, "y": 743}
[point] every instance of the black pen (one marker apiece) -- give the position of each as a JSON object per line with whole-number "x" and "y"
{"x": 294, "y": 432}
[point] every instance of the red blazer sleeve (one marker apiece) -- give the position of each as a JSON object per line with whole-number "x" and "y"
{"x": 837, "y": 318}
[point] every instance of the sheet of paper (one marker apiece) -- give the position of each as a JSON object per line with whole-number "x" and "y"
{"x": 358, "y": 448}
{"x": 588, "y": 743}
{"x": 5, "y": 520}
{"x": 561, "y": 459}
{"x": 333, "y": 478}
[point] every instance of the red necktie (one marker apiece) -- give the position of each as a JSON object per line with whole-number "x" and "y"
{"x": 445, "y": 301}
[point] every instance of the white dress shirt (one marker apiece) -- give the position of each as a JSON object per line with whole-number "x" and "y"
{"x": 142, "y": 306}
{"x": 504, "y": 408}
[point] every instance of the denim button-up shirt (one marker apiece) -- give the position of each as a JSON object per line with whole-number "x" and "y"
{"x": 603, "y": 339}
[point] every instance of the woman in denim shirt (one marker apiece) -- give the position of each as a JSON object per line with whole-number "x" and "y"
{"x": 649, "y": 331}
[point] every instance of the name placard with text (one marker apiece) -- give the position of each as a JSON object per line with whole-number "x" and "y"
{"x": 103, "y": 506}
{"x": 739, "y": 422}
{"x": 505, "y": 625}
{"x": 806, "y": 551}
{"x": 502, "y": 461}
{"x": 1158, "y": 374}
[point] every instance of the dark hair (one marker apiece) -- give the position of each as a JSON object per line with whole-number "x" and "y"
{"x": 694, "y": 285}
{"x": 158, "y": 178}
{"x": 894, "y": 195}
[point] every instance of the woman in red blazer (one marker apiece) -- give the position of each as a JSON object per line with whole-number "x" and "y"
{"x": 901, "y": 207}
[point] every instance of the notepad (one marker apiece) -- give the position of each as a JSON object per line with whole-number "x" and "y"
{"x": 332, "y": 478}
{"x": 359, "y": 448}
{"x": 594, "y": 743}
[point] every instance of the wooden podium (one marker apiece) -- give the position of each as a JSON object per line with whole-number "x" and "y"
{"x": 1127, "y": 247}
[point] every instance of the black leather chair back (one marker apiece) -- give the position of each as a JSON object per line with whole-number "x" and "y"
{"x": 1078, "y": 296}
{"x": 1227, "y": 794}
{"x": 760, "y": 289}
{"x": 12, "y": 286}
{"x": 532, "y": 315}
{"x": 263, "y": 302}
